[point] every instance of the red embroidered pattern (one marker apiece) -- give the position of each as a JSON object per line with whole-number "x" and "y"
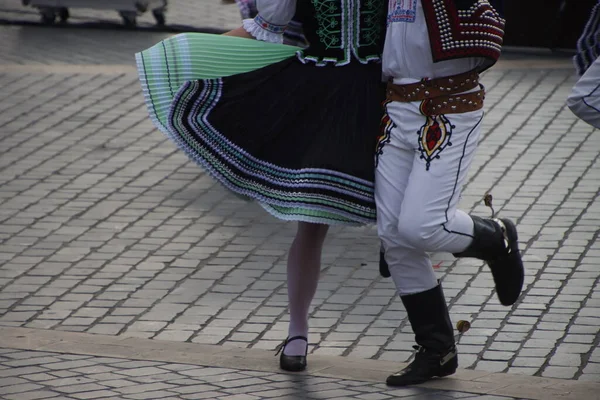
{"x": 434, "y": 137}
{"x": 266, "y": 25}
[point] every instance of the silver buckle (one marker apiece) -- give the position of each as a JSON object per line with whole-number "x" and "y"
{"x": 504, "y": 234}
{"x": 449, "y": 356}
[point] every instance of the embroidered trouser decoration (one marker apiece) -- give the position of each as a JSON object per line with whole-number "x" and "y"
{"x": 434, "y": 137}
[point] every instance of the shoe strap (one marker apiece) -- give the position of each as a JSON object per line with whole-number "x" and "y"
{"x": 282, "y": 345}
{"x": 420, "y": 350}
{"x": 288, "y": 340}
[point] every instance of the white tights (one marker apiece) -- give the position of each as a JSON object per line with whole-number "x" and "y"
{"x": 303, "y": 269}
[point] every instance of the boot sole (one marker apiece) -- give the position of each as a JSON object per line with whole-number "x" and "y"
{"x": 292, "y": 363}
{"x": 390, "y": 380}
{"x": 293, "y": 368}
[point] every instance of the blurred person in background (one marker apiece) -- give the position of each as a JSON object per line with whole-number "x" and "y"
{"x": 584, "y": 100}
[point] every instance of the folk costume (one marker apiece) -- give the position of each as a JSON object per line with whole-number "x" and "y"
{"x": 434, "y": 51}
{"x": 293, "y": 129}
{"x": 584, "y": 99}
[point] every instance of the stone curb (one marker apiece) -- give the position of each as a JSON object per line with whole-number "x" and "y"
{"x": 500, "y": 384}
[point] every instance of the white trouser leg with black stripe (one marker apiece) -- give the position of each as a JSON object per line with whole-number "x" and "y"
{"x": 421, "y": 168}
{"x": 422, "y": 164}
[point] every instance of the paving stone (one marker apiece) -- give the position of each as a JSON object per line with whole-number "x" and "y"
{"x": 560, "y": 372}
{"x": 68, "y": 365}
{"x": 106, "y": 329}
{"x": 497, "y": 355}
{"x": 151, "y": 387}
{"x": 141, "y": 371}
{"x": 491, "y": 366}
{"x": 11, "y": 381}
{"x": 18, "y": 388}
{"x": 38, "y": 377}
{"x": 12, "y": 372}
{"x": 31, "y": 361}
{"x": 194, "y": 388}
{"x": 77, "y": 380}
{"x": 32, "y": 395}
{"x": 94, "y": 394}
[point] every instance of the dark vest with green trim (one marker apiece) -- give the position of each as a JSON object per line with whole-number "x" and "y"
{"x": 340, "y": 31}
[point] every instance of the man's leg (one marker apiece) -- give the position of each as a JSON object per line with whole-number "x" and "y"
{"x": 409, "y": 265}
{"x": 393, "y": 167}
{"x": 443, "y": 150}
{"x": 429, "y": 219}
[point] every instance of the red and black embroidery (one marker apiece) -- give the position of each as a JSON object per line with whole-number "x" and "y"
{"x": 384, "y": 137}
{"x": 434, "y": 137}
{"x": 464, "y": 28}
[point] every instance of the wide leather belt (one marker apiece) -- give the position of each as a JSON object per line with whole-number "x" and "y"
{"x": 453, "y": 104}
{"x": 441, "y": 95}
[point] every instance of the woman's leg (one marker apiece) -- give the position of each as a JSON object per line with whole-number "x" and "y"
{"x": 303, "y": 269}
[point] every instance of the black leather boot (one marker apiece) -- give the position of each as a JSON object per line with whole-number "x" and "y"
{"x": 496, "y": 242}
{"x": 436, "y": 352}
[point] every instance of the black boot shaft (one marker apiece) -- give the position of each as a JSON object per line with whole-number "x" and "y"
{"x": 488, "y": 240}
{"x": 496, "y": 242}
{"x": 429, "y": 318}
{"x": 436, "y": 353}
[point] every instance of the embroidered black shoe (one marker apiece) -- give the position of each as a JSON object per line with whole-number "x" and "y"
{"x": 426, "y": 365}
{"x": 292, "y": 363}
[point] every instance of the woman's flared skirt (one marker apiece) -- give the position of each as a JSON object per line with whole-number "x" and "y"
{"x": 297, "y": 138}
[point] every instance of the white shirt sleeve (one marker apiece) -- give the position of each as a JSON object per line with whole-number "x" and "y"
{"x": 272, "y": 19}
{"x": 584, "y": 100}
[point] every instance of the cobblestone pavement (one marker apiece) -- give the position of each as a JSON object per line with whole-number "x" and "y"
{"x": 26, "y": 375}
{"x": 106, "y": 228}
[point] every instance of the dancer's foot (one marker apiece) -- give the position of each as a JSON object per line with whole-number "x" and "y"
{"x": 427, "y": 364}
{"x": 436, "y": 351}
{"x": 496, "y": 242}
{"x": 293, "y": 354}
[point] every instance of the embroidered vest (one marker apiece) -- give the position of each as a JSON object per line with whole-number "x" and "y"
{"x": 464, "y": 28}
{"x": 341, "y": 30}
